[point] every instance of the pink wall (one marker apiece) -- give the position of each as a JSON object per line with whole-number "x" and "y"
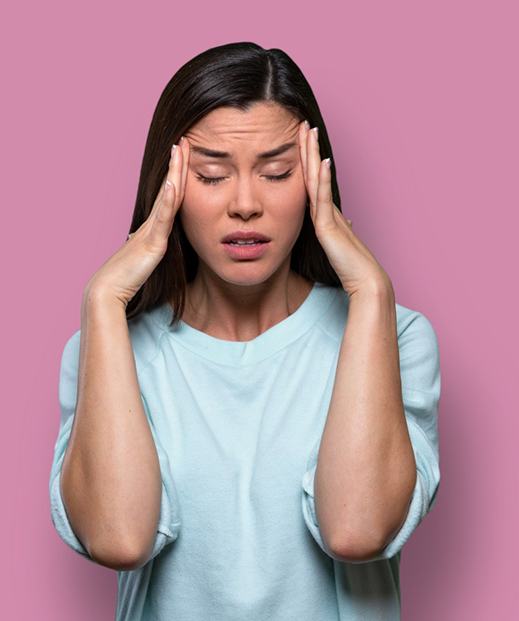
{"x": 421, "y": 104}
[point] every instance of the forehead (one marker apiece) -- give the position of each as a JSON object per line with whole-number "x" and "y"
{"x": 263, "y": 131}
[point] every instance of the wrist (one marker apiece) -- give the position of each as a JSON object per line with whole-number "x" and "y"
{"x": 380, "y": 289}
{"x": 96, "y": 296}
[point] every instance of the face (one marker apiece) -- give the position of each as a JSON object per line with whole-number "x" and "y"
{"x": 240, "y": 190}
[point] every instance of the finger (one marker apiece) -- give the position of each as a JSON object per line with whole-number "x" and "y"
{"x": 172, "y": 178}
{"x": 163, "y": 221}
{"x": 313, "y": 161}
{"x": 176, "y": 174}
{"x": 160, "y": 195}
{"x": 184, "y": 143}
{"x": 325, "y": 207}
{"x": 303, "y": 129}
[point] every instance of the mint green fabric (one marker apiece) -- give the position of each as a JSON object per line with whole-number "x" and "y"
{"x": 237, "y": 427}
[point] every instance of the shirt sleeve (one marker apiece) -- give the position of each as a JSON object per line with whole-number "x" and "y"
{"x": 169, "y": 521}
{"x": 421, "y": 385}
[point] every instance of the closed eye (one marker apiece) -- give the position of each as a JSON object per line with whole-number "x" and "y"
{"x": 215, "y": 180}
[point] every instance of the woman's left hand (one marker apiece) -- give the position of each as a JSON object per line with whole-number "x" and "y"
{"x": 354, "y": 264}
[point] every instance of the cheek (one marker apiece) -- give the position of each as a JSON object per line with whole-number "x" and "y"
{"x": 195, "y": 221}
{"x": 197, "y": 204}
{"x": 290, "y": 212}
{"x": 194, "y": 191}
{"x": 292, "y": 202}
{"x": 197, "y": 229}
{"x": 297, "y": 191}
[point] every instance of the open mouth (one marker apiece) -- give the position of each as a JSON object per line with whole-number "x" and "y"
{"x": 252, "y": 242}
{"x": 250, "y": 249}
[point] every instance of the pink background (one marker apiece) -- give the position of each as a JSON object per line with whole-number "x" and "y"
{"x": 421, "y": 104}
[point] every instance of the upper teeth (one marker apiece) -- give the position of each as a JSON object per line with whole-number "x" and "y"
{"x": 243, "y": 241}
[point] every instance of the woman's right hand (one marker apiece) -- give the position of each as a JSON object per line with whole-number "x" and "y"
{"x": 124, "y": 273}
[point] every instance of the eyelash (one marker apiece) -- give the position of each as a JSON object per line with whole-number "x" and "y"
{"x": 216, "y": 180}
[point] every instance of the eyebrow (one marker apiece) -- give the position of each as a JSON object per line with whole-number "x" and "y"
{"x": 225, "y": 155}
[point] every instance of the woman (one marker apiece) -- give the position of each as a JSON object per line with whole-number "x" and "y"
{"x": 255, "y": 417}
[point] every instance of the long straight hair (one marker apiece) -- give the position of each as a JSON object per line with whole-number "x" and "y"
{"x": 236, "y": 75}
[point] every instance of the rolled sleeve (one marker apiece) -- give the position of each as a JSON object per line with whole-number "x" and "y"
{"x": 169, "y": 520}
{"x": 421, "y": 387}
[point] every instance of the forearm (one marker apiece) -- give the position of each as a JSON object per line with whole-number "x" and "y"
{"x": 366, "y": 469}
{"x": 111, "y": 476}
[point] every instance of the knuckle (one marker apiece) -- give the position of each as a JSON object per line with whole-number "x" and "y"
{"x": 155, "y": 245}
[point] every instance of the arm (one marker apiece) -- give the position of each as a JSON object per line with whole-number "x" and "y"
{"x": 366, "y": 471}
{"x": 110, "y": 479}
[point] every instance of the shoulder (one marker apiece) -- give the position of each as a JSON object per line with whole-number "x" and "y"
{"x": 411, "y": 323}
{"x": 417, "y": 340}
{"x": 418, "y": 350}
{"x": 415, "y": 330}
{"x": 145, "y": 332}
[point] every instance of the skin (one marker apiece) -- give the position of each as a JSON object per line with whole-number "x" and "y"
{"x": 229, "y": 298}
{"x": 366, "y": 470}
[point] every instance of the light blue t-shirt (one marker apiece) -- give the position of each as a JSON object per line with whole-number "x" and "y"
{"x": 237, "y": 427}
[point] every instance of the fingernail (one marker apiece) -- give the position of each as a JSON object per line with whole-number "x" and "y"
{"x": 181, "y": 140}
{"x": 307, "y": 124}
{"x": 328, "y": 162}
{"x": 316, "y": 130}
{"x": 173, "y": 149}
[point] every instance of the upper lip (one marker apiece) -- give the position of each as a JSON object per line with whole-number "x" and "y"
{"x": 235, "y": 235}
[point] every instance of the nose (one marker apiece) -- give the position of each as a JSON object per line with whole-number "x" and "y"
{"x": 244, "y": 202}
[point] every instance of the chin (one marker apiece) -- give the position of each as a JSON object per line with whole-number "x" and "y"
{"x": 245, "y": 280}
{"x": 245, "y": 273}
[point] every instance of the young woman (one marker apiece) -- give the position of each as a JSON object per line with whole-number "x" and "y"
{"x": 248, "y": 418}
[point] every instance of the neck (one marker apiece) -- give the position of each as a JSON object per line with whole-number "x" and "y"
{"x": 238, "y": 312}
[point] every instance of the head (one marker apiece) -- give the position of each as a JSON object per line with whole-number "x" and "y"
{"x": 234, "y": 103}
{"x": 237, "y": 181}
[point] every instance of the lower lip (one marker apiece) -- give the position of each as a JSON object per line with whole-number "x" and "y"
{"x": 246, "y": 251}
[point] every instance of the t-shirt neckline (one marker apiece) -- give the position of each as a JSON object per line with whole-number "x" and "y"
{"x": 262, "y": 346}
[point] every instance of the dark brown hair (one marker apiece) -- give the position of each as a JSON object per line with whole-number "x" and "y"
{"x": 236, "y": 75}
